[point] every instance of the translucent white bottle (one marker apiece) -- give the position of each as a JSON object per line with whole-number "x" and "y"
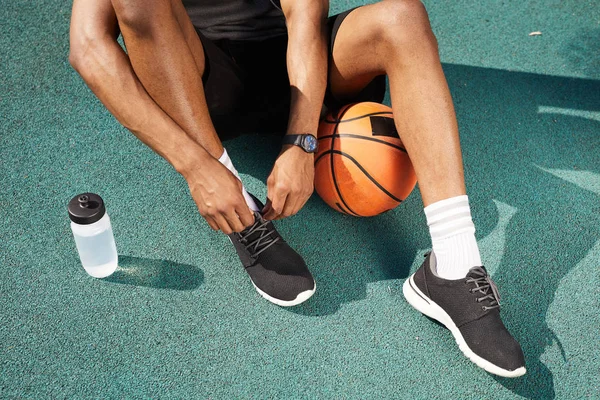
{"x": 93, "y": 235}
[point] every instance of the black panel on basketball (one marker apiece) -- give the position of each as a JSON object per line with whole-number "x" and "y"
{"x": 383, "y": 126}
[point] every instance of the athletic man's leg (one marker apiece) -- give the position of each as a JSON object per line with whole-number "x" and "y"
{"x": 394, "y": 37}
{"x": 169, "y": 61}
{"x": 398, "y": 41}
{"x": 168, "y": 57}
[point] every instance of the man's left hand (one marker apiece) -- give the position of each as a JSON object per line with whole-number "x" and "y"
{"x": 290, "y": 184}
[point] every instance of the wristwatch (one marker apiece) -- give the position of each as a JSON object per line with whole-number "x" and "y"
{"x": 307, "y": 141}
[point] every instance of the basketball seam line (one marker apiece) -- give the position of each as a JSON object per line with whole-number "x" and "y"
{"x": 355, "y": 118}
{"x": 353, "y": 136}
{"x": 364, "y": 172}
{"x": 341, "y": 208}
{"x": 337, "y": 189}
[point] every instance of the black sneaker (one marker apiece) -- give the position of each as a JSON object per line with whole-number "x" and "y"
{"x": 470, "y": 309}
{"x": 277, "y": 272}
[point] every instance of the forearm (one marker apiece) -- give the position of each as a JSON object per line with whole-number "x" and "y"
{"x": 307, "y": 66}
{"x": 106, "y": 69}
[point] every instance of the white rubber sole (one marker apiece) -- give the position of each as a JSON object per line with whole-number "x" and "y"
{"x": 301, "y": 298}
{"x": 423, "y": 304}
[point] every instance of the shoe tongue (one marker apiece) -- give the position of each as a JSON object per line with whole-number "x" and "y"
{"x": 477, "y": 272}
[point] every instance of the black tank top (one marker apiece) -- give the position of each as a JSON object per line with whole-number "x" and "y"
{"x": 237, "y": 19}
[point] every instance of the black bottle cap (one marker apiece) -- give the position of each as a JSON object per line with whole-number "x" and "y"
{"x": 86, "y": 208}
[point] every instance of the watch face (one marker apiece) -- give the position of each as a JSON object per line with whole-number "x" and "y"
{"x": 310, "y": 143}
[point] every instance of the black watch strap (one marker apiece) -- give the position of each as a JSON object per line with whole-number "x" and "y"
{"x": 306, "y": 141}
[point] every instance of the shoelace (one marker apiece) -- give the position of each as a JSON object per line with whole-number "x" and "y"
{"x": 262, "y": 242}
{"x": 485, "y": 286}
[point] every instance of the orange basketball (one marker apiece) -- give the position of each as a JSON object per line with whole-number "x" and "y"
{"x": 361, "y": 167}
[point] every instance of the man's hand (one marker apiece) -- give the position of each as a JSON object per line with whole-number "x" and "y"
{"x": 290, "y": 184}
{"x": 218, "y": 195}
{"x": 292, "y": 180}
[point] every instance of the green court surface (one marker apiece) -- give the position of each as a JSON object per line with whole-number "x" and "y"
{"x": 180, "y": 318}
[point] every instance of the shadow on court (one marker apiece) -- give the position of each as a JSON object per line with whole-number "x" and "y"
{"x": 522, "y": 134}
{"x": 158, "y": 274}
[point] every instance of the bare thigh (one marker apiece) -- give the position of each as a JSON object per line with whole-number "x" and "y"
{"x": 367, "y": 39}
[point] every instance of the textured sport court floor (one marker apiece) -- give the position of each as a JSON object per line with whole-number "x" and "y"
{"x": 180, "y": 318}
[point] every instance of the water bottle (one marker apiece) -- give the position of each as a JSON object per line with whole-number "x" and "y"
{"x": 93, "y": 235}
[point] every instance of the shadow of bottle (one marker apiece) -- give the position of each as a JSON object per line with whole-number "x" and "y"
{"x": 159, "y": 274}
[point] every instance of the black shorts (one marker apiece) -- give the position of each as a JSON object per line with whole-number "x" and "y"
{"x": 247, "y": 87}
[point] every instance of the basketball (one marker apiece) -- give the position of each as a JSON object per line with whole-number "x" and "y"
{"x": 361, "y": 167}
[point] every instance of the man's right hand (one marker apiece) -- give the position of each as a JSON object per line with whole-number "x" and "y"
{"x": 218, "y": 195}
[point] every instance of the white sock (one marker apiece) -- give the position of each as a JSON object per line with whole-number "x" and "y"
{"x": 453, "y": 237}
{"x": 226, "y": 161}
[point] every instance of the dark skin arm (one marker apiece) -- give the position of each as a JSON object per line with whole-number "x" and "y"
{"x": 292, "y": 179}
{"x": 107, "y": 70}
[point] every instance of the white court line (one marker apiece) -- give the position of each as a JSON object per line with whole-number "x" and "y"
{"x": 593, "y": 115}
{"x": 587, "y": 180}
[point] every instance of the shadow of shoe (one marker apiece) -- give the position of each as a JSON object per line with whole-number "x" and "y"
{"x": 349, "y": 253}
{"x": 537, "y": 383}
{"x": 538, "y": 131}
{"x": 160, "y": 274}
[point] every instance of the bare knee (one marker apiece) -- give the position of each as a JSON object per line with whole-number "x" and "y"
{"x": 405, "y": 24}
{"x": 142, "y": 16}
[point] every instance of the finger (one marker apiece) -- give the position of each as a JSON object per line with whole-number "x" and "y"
{"x": 211, "y": 222}
{"x": 277, "y": 205}
{"x": 302, "y": 202}
{"x": 223, "y": 224}
{"x": 271, "y": 194}
{"x": 245, "y": 214}
{"x": 289, "y": 207}
{"x": 294, "y": 204}
{"x": 234, "y": 221}
{"x": 267, "y": 207}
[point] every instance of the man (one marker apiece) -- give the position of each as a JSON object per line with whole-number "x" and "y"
{"x": 198, "y": 72}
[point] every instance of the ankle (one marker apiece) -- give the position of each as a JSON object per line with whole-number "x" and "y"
{"x": 453, "y": 237}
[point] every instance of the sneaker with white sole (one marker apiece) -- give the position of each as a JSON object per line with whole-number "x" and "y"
{"x": 470, "y": 309}
{"x": 278, "y": 273}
